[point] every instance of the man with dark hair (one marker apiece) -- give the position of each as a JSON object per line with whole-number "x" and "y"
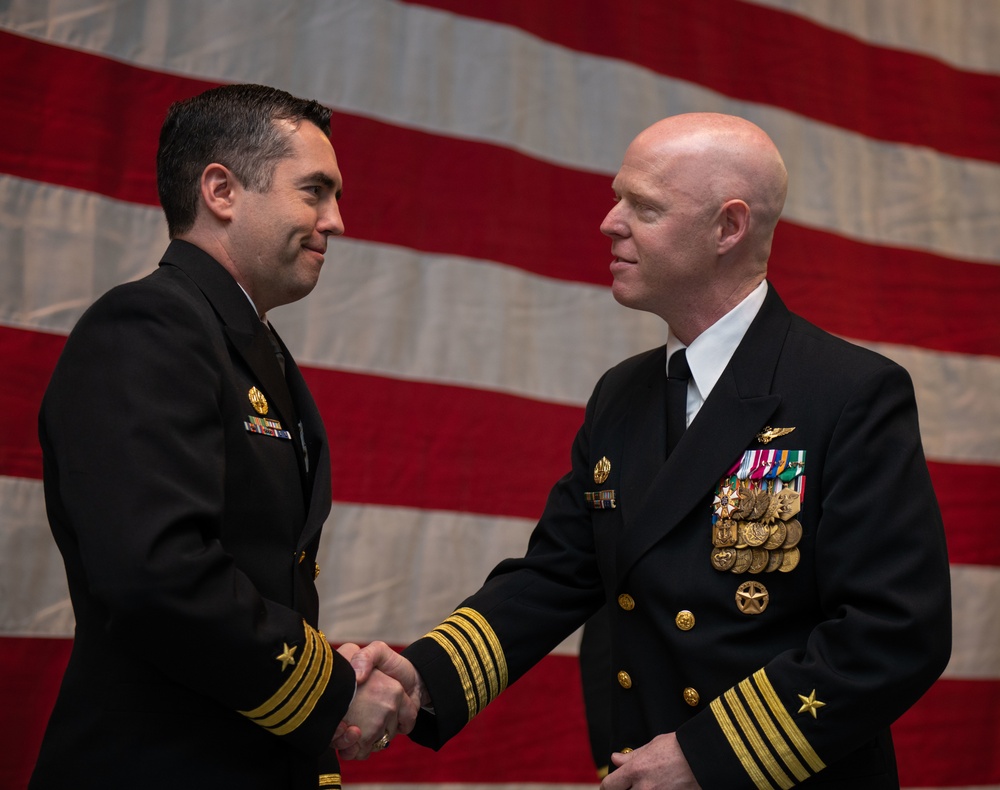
{"x": 187, "y": 478}
{"x": 750, "y": 502}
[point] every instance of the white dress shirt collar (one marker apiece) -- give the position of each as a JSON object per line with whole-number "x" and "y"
{"x": 710, "y": 352}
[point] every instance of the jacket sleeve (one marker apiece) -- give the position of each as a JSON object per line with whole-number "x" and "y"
{"x": 526, "y": 607}
{"x": 883, "y": 632}
{"x": 134, "y": 430}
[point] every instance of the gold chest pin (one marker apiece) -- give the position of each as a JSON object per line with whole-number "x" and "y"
{"x": 602, "y": 470}
{"x": 257, "y": 400}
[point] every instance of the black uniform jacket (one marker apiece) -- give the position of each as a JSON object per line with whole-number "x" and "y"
{"x": 178, "y": 492}
{"x": 768, "y": 676}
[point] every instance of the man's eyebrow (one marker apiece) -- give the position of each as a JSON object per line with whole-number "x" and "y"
{"x": 324, "y": 179}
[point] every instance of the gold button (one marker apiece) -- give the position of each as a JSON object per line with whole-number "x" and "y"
{"x": 691, "y": 696}
{"x": 626, "y": 602}
{"x": 684, "y": 620}
{"x": 624, "y": 680}
{"x": 626, "y": 750}
{"x": 315, "y": 569}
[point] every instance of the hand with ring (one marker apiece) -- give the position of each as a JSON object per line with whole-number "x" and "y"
{"x": 382, "y": 706}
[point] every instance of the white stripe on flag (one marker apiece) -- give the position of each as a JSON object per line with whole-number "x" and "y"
{"x": 899, "y": 195}
{"x": 409, "y": 569}
{"x": 962, "y": 33}
{"x": 393, "y": 311}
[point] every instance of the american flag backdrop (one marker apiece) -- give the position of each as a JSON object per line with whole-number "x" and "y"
{"x": 458, "y": 328}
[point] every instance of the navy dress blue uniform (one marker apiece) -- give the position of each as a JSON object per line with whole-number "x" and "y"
{"x": 187, "y": 505}
{"x": 769, "y": 678}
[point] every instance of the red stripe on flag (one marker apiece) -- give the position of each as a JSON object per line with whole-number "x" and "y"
{"x": 31, "y": 670}
{"x": 533, "y": 732}
{"x": 775, "y": 58}
{"x": 946, "y": 739}
{"x": 421, "y": 445}
{"x": 896, "y": 294}
{"x": 949, "y": 738}
{"x": 886, "y": 294}
{"x": 961, "y": 490}
{"x": 436, "y": 447}
{"x": 28, "y": 359}
{"x": 83, "y": 121}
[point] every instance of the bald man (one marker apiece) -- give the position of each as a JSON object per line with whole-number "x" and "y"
{"x": 750, "y": 501}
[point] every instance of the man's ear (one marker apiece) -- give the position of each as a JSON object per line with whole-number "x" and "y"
{"x": 218, "y": 191}
{"x": 734, "y": 225}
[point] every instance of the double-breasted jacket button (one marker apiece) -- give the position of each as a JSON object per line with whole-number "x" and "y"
{"x": 626, "y": 750}
{"x": 691, "y": 696}
{"x": 624, "y": 680}
{"x": 626, "y": 602}
{"x": 315, "y": 569}
{"x": 684, "y": 620}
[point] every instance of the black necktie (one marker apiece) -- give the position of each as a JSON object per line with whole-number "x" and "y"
{"x": 276, "y": 346}
{"x": 678, "y": 374}
{"x": 279, "y": 354}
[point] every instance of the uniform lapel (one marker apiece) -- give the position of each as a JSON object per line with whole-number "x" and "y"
{"x": 737, "y": 409}
{"x": 319, "y": 453}
{"x": 243, "y": 328}
{"x": 646, "y": 428}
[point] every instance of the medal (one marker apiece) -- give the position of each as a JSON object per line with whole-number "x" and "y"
{"x": 724, "y": 533}
{"x": 723, "y": 559}
{"x": 754, "y": 529}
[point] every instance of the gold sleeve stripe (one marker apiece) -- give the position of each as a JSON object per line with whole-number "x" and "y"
{"x": 490, "y": 635}
{"x": 291, "y": 705}
{"x": 778, "y": 743}
{"x": 470, "y": 660}
{"x": 487, "y": 652}
{"x": 307, "y": 697}
{"x": 752, "y": 735}
{"x": 475, "y": 652}
{"x": 330, "y": 780}
{"x": 736, "y": 743}
{"x": 289, "y": 685}
{"x": 463, "y": 673}
{"x": 785, "y": 720}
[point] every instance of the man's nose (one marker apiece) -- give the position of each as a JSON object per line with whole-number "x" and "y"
{"x": 332, "y": 222}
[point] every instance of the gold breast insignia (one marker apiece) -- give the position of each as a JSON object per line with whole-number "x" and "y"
{"x": 602, "y": 470}
{"x": 770, "y": 433}
{"x": 258, "y": 401}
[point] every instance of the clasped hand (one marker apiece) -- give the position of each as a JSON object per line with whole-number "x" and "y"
{"x": 388, "y": 698}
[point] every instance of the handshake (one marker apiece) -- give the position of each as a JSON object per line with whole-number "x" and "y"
{"x": 390, "y": 693}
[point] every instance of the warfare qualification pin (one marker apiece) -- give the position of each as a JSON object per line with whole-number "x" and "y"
{"x": 602, "y": 470}
{"x": 257, "y": 400}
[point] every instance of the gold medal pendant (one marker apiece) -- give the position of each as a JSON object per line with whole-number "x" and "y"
{"x": 761, "y": 502}
{"x": 758, "y": 560}
{"x": 723, "y": 558}
{"x": 776, "y": 536}
{"x": 724, "y": 533}
{"x": 754, "y": 527}
{"x": 793, "y": 535}
{"x": 743, "y": 559}
{"x": 745, "y": 505}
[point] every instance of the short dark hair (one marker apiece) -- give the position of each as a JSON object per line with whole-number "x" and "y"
{"x": 234, "y": 125}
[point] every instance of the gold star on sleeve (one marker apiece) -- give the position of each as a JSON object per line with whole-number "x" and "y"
{"x": 287, "y": 656}
{"x": 810, "y": 704}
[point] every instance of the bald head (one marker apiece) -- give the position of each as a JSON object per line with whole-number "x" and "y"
{"x": 698, "y": 197}
{"x": 733, "y": 159}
